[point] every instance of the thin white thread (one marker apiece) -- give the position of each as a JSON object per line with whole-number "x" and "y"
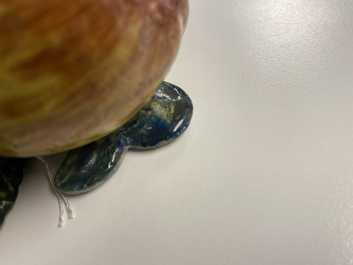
{"x": 69, "y": 210}
{"x": 59, "y": 196}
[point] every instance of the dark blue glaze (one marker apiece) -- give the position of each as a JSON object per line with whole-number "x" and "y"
{"x": 86, "y": 168}
{"x": 160, "y": 122}
{"x": 11, "y": 175}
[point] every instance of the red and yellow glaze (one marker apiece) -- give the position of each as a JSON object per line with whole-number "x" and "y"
{"x": 72, "y": 71}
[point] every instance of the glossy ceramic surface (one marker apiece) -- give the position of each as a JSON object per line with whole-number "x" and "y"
{"x": 88, "y": 167}
{"x": 263, "y": 176}
{"x": 74, "y": 71}
{"x": 160, "y": 122}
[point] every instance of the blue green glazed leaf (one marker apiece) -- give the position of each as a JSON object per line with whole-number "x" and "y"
{"x": 164, "y": 119}
{"x": 160, "y": 122}
{"x": 86, "y": 168}
{"x": 11, "y": 175}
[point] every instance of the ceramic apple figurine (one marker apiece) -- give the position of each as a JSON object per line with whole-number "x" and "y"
{"x": 72, "y": 71}
{"x": 86, "y": 76}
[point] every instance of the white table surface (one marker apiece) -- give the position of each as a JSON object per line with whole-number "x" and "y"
{"x": 264, "y": 175}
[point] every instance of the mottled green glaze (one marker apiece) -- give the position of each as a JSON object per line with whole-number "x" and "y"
{"x": 160, "y": 122}
{"x": 11, "y": 175}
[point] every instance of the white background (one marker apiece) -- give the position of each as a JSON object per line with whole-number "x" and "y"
{"x": 263, "y": 176}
